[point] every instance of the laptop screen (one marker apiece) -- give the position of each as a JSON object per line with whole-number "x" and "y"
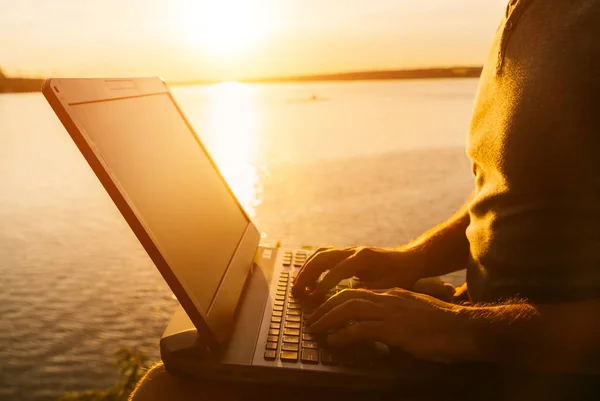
{"x": 171, "y": 185}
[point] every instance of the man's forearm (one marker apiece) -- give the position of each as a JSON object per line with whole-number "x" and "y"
{"x": 446, "y": 246}
{"x": 558, "y": 338}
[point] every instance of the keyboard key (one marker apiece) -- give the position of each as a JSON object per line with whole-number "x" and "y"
{"x": 310, "y": 344}
{"x": 284, "y": 274}
{"x": 278, "y": 303}
{"x": 291, "y": 332}
{"x": 281, "y": 287}
{"x": 292, "y": 305}
{"x": 292, "y": 325}
{"x": 291, "y": 339}
{"x": 279, "y": 297}
{"x": 328, "y": 357}
{"x": 270, "y": 355}
{"x": 307, "y": 337}
{"x": 292, "y": 319}
{"x": 277, "y": 313}
{"x": 289, "y": 347}
{"x": 275, "y": 319}
{"x": 310, "y": 356}
{"x": 288, "y": 356}
{"x": 278, "y": 308}
{"x": 276, "y": 326}
{"x": 274, "y": 332}
{"x": 271, "y": 346}
{"x": 280, "y": 293}
{"x": 273, "y": 339}
{"x": 293, "y": 312}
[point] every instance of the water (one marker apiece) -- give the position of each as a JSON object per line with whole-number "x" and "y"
{"x": 373, "y": 163}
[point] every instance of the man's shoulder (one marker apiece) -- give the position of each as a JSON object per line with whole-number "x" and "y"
{"x": 573, "y": 26}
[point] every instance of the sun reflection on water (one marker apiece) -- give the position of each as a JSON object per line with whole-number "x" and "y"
{"x": 233, "y": 140}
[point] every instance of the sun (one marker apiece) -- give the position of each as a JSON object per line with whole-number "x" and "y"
{"x": 226, "y": 27}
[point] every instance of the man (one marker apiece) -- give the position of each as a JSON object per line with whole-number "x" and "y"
{"x": 529, "y": 236}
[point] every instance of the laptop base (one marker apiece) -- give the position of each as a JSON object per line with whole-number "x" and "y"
{"x": 240, "y": 359}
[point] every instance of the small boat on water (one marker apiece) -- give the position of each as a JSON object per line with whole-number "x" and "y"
{"x": 311, "y": 98}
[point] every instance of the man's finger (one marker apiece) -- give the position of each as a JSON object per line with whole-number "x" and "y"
{"x": 371, "y": 331}
{"x": 354, "y": 309}
{"x": 314, "y": 254}
{"x": 319, "y": 250}
{"x": 319, "y": 263}
{"x": 339, "y": 299}
{"x": 347, "y": 268}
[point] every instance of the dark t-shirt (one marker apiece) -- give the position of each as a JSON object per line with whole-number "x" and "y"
{"x": 535, "y": 148}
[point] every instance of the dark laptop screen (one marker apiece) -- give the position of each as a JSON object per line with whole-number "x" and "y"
{"x": 171, "y": 184}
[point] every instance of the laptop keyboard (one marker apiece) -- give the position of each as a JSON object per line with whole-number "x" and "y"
{"x": 287, "y": 340}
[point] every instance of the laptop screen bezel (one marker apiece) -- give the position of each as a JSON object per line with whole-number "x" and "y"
{"x": 213, "y": 326}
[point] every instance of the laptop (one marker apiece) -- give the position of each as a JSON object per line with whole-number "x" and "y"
{"x": 238, "y": 319}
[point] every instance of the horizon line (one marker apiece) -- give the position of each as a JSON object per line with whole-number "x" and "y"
{"x": 456, "y": 69}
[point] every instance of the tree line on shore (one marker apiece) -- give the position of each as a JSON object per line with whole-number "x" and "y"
{"x": 15, "y": 85}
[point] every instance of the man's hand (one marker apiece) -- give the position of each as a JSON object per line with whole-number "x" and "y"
{"x": 421, "y": 325}
{"x": 375, "y": 267}
{"x": 561, "y": 337}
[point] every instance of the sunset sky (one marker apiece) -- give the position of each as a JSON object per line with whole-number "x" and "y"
{"x": 232, "y": 39}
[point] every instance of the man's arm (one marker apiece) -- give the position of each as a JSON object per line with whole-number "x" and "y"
{"x": 442, "y": 250}
{"x": 559, "y": 338}
{"x": 445, "y": 248}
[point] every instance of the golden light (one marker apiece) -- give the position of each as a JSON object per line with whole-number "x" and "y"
{"x": 233, "y": 140}
{"x": 225, "y": 27}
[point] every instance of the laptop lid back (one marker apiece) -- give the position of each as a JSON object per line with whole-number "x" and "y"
{"x": 164, "y": 182}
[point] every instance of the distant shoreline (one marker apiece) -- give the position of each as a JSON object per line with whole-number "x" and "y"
{"x": 19, "y": 85}
{"x": 420, "y": 73}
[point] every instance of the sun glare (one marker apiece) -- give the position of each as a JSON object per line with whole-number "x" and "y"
{"x": 233, "y": 140}
{"x": 226, "y": 27}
